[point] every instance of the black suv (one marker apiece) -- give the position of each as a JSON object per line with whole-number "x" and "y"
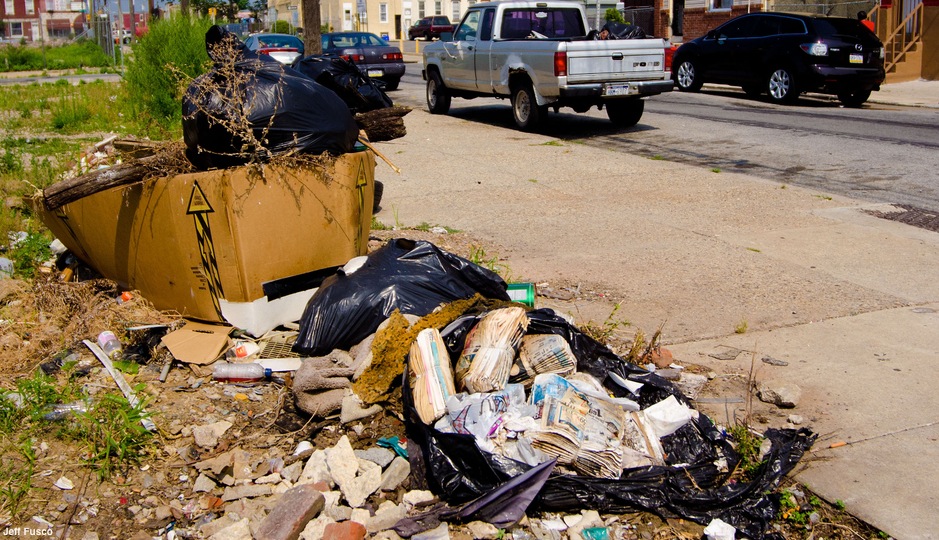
{"x": 783, "y": 55}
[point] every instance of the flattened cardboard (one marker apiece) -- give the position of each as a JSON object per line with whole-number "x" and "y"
{"x": 197, "y": 343}
{"x": 186, "y": 242}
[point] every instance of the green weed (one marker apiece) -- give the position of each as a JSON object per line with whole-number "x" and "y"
{"x": 378, "y": 225}
{"x": 657, "y": 157}
{"x": 426, "y": 227}
{"x": 824, "y": 197}
{"x": 603, "y": 331}
{"x": 755, "y": 250}
{"x": 17, "y": 471}
{"x": 478, "y": 256}
{"x": 748, "y": 448}
{"x": 715, "y": 169}
{"x": 741, "y": 327}
{"x": 29, "y": 253}
{"x": 552, "y": 143}
{"x": 112, "y": 434}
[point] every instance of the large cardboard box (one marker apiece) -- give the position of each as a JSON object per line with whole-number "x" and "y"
{"x": 221, "y": 241}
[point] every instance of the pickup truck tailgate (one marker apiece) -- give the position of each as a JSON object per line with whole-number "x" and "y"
{"x": 616, "y": 62}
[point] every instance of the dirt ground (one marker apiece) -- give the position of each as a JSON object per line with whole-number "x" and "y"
{"x": 147, "y": 499}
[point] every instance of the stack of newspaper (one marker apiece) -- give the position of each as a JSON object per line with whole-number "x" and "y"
{"x": 431, "y": 377}
{"x": 490, "y": 350}
{"x": 542, "y": 353}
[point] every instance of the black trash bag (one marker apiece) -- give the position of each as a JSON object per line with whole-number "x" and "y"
{"x": 283, "y": 110}
{"x": 624, "y": 31}
{"x": 689, "y": 486}
{"x": 411, "y": 276}
{"x": 361, "y": 93}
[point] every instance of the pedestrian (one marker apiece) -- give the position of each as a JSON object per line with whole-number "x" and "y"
{"x": 862, "y": 16}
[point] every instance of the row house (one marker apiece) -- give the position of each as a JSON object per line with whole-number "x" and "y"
{"x": 36, "y": 20}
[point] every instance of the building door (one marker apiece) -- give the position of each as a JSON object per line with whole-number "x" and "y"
{"x": 397, "y": 26}
{"x": 678, "y": 18}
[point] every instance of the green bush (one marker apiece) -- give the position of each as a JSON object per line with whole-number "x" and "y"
{"x": 282, "y": 27}
{"x": 81, "y": 54}
{"x": 165, "y": 60}
{"x": 614, "y": 15}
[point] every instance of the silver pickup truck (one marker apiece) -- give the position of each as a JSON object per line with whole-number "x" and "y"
{"x": 539, "y": 55}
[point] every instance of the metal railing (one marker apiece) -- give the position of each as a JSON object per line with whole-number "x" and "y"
{"x": 903, "y": 38}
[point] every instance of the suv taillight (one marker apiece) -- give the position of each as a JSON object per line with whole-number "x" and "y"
{"x": 815, "y": 49}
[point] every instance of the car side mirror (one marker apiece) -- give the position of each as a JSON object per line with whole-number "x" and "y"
{"x": 712, "y": 34}
{"x": 446, "y": 36}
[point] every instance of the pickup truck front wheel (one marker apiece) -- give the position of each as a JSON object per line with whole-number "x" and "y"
{"x": 438, "y": 99}
{"x": 525, "y": 109}
{"x": 625, "y": 112}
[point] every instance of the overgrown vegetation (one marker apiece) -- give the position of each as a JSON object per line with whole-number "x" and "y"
{"x": 165, "y": 60}
{"x": 79, "y": 55}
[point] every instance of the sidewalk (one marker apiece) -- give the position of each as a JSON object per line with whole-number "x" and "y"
{"x": 921, "y": 93}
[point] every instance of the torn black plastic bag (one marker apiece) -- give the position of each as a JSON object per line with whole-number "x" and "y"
{"x": 411, "y": 276}
{"x": 691, "y": 485}
{"x": 249, "y": 93}
{"x": 361, "y": 93}
{"x": 624, "y": 30}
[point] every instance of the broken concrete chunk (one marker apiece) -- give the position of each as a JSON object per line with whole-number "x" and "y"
{"x": 246, "y": 491}
{"x": 725, "y": 353}
{"x": 316, "y": 470}
{"x": 363, "y": 485}
{"x": 342, "y": 463}
{"x": 376, "y": 454}
{"x": 293, "y": 510}
{"x": 203, "y": 484}
{"x": 396, "y": 473}
{"x": 442, "y": 532}
{"x": 217, "y": 464}
{"x": 416, "y": 497}
{"x": 482, "y": 530}
{"x": 385, "y": 518}
{"x": 315, "y": 529}
{"x": 236, "y": 531}
{"x": 774, "y": 362}
{"x": 782, "y": 394}
{"x": 207, "y": 436}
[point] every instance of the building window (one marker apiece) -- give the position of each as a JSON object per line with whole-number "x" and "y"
{"x": 720, "y": 5}
{"x": 383, "y": 13}
{"x": 456, "y": 11}
{"x": 30, "y": 7}
{"x": 16, "y": 29}
{"x": 420, "y": 10}
{"x": 438, "y": 8}
{"x": 10, "y": 8}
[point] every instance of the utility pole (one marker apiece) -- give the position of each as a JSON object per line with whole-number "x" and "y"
{"x": 311, "y": 27}
{"x": 133, "y": 23}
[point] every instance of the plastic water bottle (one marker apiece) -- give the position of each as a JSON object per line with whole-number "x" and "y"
{"x": 110, "y": 344}
{"x": 246, "y": 372}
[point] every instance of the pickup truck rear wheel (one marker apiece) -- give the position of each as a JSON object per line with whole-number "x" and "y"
{"x": 438, "y": 99}
{"x": 625, "y": 112}
{"x": 525, "y": 109}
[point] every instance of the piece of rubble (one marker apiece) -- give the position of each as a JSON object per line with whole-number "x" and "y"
{"x": 64, "y": 483}
{"x": 216, "y": 464}
{"x": 315, "y": 528}
{"x": 292, "y": 472}
{"x": 396, "y": 473}
{"x": 375, "y": 454}
{"x": 245, "y": 491}
{"x": 442, "y": 532}
{"x": 364, "y": 484}
{"x": 203, "y": 484}
{"x": 795, "y": 419}
{"x": 316, "y": 470}
{"x": 207, "y": 436}
{"x": 346, "y": 530}
{"x": 293, "y": 510}
{"x": 209, "y": 529}
{"x": 725, "y": 353}
{"x": 334, "y": 510}
{"x": 353, "y": 409}
{"x": 416, "y": 497}
{"x": 236, "y": 531}
{"x": 385, "y": 517}
{"x": 782, "y": 394}
{"x": 482, "y": 530}
{"x": 774, "y": 361}
{"x": 342, "y": 463}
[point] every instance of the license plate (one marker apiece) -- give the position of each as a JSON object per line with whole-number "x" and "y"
{"x": 379, "y": 73}
{"x": 857, "y": 59}
{"x": 616, "y": 89}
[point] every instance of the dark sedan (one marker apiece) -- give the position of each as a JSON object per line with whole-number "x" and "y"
{"x": 783, "y": 55}
{"x": 284, "y": 48}
{"x": 373, "y": 55}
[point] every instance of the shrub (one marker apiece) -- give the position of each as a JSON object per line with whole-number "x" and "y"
{"x": 614, "y": 15}
{"x": 165, "y": 60}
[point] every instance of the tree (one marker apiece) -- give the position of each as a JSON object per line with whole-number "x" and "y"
{"x": 311, "y": 27}
{"x": 614, "y": 15}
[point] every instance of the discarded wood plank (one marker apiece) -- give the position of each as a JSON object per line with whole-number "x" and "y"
{"x": 72, "y": 189}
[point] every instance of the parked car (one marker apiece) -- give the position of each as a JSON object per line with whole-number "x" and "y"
{"x": 430, "y": 27}
{"x": 284, "y": 48}
{"x": 125, "y": 36}
{"x": 783, "y": 55}
{"x": 373, "y": 55}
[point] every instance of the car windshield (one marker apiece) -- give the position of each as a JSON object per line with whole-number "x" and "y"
{"x": 271, "y": 41}
{"x": 352, "y": 40}
{"x": 441, "y": 20}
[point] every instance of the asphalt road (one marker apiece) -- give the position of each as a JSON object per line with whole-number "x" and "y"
{"x": 884, "y": 154}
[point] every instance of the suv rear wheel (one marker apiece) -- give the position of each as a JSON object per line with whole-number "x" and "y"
{"x": 687, "y": 76}
{"x": 781, "y": 85}
{"x": 438, "y": 99}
